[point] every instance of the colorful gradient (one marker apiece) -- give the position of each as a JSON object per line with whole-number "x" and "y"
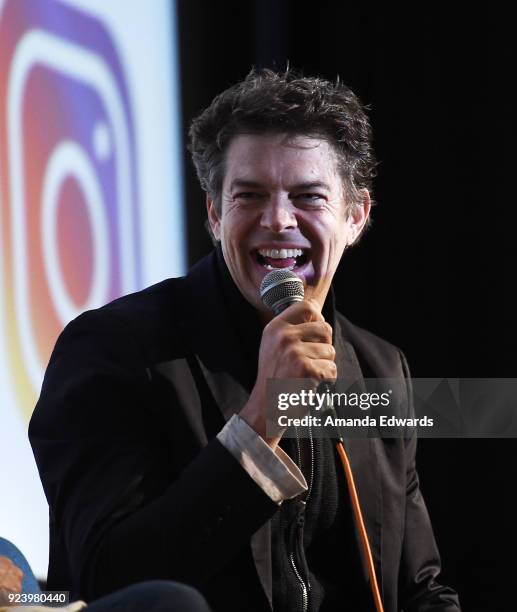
{"x": 68, "y": 227}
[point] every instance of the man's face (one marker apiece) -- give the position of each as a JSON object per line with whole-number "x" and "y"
{"x": 283, "y": 206}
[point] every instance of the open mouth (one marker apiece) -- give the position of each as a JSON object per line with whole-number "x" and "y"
{"x": 288, "y": 259}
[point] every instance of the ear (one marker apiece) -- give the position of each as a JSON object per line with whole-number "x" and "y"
{"x": 359, "y": 215}
{"x": 213, "y": 218}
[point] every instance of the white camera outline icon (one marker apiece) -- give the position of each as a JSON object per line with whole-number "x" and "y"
{"x": 39, "y": 47}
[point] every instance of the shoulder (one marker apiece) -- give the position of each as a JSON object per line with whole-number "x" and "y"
{"x": 146, "y": 321}
{"x": 154, "y": 306}
{"x": 149, "y": 324}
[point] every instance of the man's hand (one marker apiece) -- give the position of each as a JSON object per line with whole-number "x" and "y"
{"x": 295, "y": 344}
{"x": 11, "y": 578}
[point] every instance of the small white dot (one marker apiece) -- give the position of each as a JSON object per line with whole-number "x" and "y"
{"x": 101, "y": 141}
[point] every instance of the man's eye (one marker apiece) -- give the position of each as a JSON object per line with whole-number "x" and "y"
{"x": 312, "y": 198}
{"x": 247, "y": 195}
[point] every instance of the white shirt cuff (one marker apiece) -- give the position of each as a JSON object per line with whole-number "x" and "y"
{"x": 274, "y": 471}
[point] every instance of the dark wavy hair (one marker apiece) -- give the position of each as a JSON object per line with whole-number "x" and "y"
{"x": 267, "y": 101}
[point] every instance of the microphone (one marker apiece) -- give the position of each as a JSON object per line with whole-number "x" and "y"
{"x": 278, "y": 290}
{"x": 281, "y": 288}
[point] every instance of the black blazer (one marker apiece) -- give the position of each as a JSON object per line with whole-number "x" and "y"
{"x": 138, "y": 485}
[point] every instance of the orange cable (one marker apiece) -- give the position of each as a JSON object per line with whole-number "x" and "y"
{"x": 362, "y": 530}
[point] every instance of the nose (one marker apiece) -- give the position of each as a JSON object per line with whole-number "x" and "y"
{"x": 278, "y": 215}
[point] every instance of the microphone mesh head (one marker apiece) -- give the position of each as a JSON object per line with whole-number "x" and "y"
{"x": 281, "y": 288}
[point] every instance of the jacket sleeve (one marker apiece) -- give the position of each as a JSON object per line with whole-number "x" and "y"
{"x": 420, "y": 565}
{"x": 123, "y": 514}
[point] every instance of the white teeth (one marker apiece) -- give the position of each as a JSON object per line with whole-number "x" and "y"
{"x": 268, "y": 267}
{"x": 280, "y": 253}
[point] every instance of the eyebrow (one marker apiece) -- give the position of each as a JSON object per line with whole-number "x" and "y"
{"x": 312, "y": 185}
{"x": 245, "y": 184}
{"x": 248, "y": 184}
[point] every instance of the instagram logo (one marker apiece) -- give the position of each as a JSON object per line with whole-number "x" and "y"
{"x": 68, "y": 192}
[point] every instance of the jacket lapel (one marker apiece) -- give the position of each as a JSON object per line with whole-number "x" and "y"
{"x": 231, "y": 397}
{"x": 363, "y": 457}
{"x": 218, "y": 351}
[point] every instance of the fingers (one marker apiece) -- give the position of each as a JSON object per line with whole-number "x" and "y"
{"x": 314, "y": 330}
{"x": 324, "y": 369}
{"x": 319, "y": 331}
{"x": 297, "y": 344}
{"x": 11, "y": 575}
{"x": 319, "y": 350}
{"x": 308, "y": 360}
{"x": 302, "y": 312}
{"x": 293, "y": 337}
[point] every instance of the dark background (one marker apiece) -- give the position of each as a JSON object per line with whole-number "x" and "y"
{"x": 434, "y": 274}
